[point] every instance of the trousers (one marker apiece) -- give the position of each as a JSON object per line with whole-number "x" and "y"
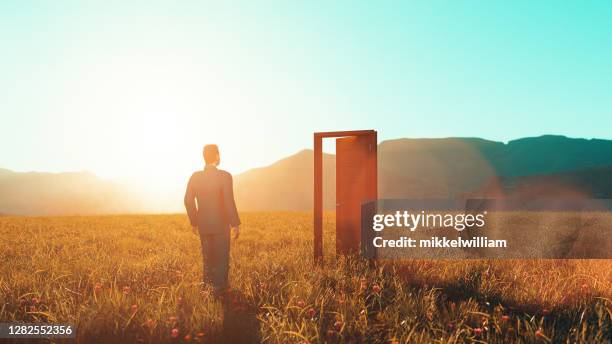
{"x": 215, "y": 256}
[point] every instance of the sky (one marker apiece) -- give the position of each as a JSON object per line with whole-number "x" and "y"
{"x": 134, "y": 89}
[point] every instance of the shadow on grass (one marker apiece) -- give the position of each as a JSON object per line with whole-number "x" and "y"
{"x": 592, "y": 316}
{"x": 240, "y": 323}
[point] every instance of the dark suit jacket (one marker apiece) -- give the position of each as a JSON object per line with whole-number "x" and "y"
{"x": 216, "y": 209}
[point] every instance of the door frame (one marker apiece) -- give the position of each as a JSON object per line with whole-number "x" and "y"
{"x": 318, "y": 181}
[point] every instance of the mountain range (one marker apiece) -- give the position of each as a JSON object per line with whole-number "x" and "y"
{"x": 444, "y": 168}
{"x": 36, "y": 193}
{"x": 545, "y": 166}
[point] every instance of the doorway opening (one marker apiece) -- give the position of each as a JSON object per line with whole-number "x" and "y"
{"x": 356, "y": 183}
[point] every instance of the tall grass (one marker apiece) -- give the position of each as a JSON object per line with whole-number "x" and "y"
{"x": 137, "y": 279}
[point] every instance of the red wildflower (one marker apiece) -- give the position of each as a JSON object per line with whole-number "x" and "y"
{"x": 150, "y": 323}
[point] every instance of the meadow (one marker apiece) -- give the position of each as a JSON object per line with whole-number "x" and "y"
{"x": 136, "y": 278}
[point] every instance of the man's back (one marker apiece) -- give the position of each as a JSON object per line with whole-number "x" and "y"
{"x": 216, "y": 210}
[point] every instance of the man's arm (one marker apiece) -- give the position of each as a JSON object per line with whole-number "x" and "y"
{"x": 230, "y": 203}
{"x": 190, "y": 203}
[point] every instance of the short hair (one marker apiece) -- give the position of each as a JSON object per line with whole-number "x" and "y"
{"x": 211, "y": 153}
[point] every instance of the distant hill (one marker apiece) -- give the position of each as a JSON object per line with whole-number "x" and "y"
{"x": 408, "y": 168}
{"x": 34, "y": 193}
{"x": 285, "y": 185}
{"x": 433, "y": 168}
{"x": 551, "y": 154}
{"x": 587, "y": 183}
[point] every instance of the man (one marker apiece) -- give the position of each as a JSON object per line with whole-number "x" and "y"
{"x": 213, "y": 216}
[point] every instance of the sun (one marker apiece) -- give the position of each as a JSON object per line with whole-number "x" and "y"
{"x": 146, "y": 116}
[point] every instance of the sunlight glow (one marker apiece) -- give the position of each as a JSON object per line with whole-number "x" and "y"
{"x": 147, "y": 117}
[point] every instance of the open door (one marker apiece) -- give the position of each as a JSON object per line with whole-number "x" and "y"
{"x": 356, "y": 179}
{"x": 355, "y": 184}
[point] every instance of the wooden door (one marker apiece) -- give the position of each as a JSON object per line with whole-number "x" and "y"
{"x": 355, "y": 183}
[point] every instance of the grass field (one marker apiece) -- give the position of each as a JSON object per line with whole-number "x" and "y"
{"x": 136, "y": 279}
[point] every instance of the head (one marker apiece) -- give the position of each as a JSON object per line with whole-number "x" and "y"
{"x": 211, "y": 155}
